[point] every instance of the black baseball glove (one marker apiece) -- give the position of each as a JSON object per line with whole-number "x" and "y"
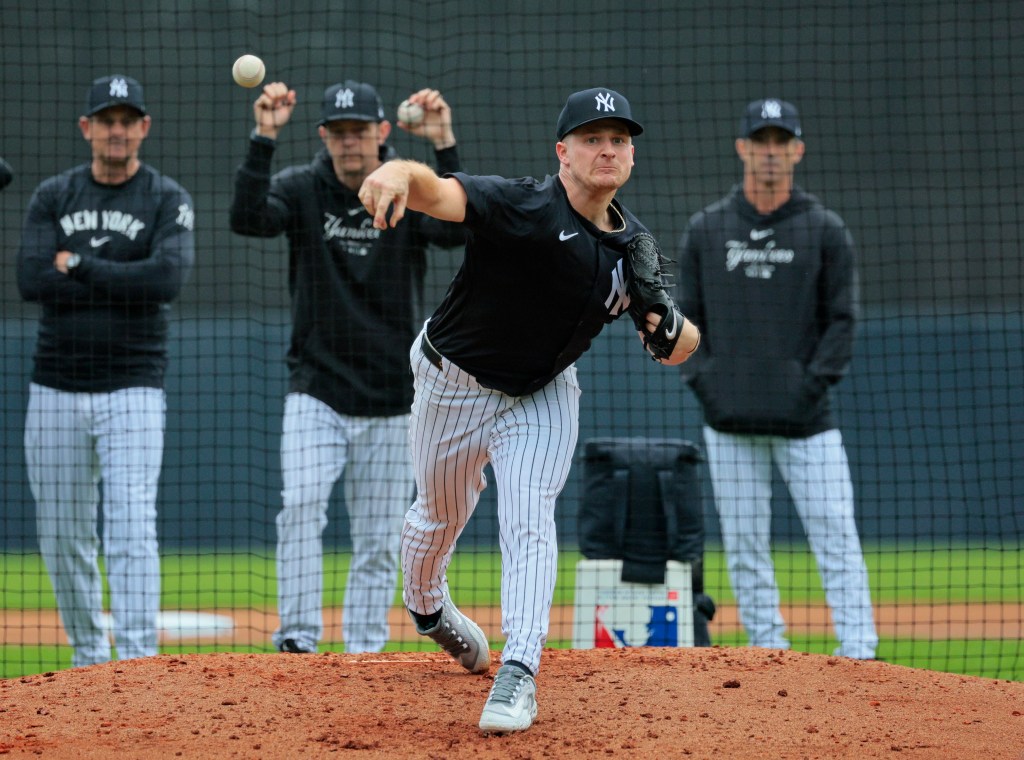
{"x": 647, "y": 294}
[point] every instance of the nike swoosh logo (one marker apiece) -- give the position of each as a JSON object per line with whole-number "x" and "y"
{"x": 670, "y": 334}
{"x": 355, "y": 211}
{"x": 97, "y": 242}
{"x": 563, "y": 237}
{"x": 761, "y": 234}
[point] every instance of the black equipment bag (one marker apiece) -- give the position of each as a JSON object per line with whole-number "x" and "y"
{"x": 642, "y": 504}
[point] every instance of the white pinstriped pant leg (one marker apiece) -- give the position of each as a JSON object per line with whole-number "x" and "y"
{"x": 378, "y": 489}
{"x": 313, "y": 455}
{"x": 457, "y": 426}
{"x": 532, "y": 450}
{"x": 741, "y": 478}
{"x": 130, "y": 446}
{"x": 318, "y": 445}
{"x": 72, "y": 440}
{"x": 449, "y": 434}
{"x": 817, "y": 473}
{"x": 64, "y": 475}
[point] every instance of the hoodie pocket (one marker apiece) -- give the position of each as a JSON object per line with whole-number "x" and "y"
{"x": 757, "y": 395}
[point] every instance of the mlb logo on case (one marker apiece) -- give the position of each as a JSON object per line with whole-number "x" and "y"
{"x": 660, "y": 630}
{"x": 610, "y": 613}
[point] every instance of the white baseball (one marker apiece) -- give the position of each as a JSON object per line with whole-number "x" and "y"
{"x": 248, "y": 70}
{"x": 410, "y": 114}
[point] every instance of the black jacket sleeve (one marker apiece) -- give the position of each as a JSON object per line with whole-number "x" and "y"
{"x": 838, "y": 302}
{"x": 689, "y": 294}
{"x": 256, "y": 210}
{"x": 159, "y": 277}
{"x": 38, "y": 281}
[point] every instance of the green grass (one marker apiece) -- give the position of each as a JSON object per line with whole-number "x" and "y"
{"x": 914, "y": 574}
{"x": 247, "y": 579}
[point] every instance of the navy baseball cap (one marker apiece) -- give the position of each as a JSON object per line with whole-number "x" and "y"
{"x": 114, "y": 90}
{"x": 770, "y": 112}
{"x": 592, "y": 105}
{"x": 351, "y": 100}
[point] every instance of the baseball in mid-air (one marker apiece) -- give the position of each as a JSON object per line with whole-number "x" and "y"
{"x": 410, "y": 114}
{"x": 248, "y": 70}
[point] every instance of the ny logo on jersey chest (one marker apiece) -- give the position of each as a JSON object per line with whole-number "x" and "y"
{"x": 618, "y": 299}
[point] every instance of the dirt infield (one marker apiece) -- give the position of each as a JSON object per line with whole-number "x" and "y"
{"x": 695, "y": 703}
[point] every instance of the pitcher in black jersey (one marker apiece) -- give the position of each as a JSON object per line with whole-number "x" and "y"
{"x": 495, "y": 371}
{"x": 105, "y": 248}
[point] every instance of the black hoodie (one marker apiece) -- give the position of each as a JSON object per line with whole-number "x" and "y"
{"x": 775, "y": 298}
{"x": 356, "y": 291}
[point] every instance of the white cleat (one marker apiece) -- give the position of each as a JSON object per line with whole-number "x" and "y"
{"x": 512, "y": 703}
{"x": 460, "y": 637}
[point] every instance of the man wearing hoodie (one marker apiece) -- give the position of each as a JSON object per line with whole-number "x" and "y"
{"x": 357, "y": 295}
{"x": 767, "y": 274}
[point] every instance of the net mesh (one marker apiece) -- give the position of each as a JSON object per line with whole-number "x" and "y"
{"x": 907, "y": 111}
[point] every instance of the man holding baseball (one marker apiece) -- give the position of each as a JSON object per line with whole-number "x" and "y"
{"x": 357, "y": 295}
{"x": 768, "y": 275}
{"x": 495, "y": 373}
{"x": 105, "y": 248}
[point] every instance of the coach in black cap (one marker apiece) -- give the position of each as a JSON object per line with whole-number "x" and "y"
{"x": 346, "y": 414}
{"x": 355, "y": 101}
{"x": 106, "y": 247}
{"x": 764, "y": 380}
{"x": 770, "y": 112}
{"x": 114, "y": 90}
{"x": 591, "y": 105}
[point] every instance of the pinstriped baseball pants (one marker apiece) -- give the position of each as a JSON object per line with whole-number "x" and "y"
{"x": 818, "y": 476}
{"x": 72, "y": 442}
{"x": 318, "y": 445}
{"x": 457, "y": 427}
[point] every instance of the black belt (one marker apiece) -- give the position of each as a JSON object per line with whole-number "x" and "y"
{"x": 430, "y": 352}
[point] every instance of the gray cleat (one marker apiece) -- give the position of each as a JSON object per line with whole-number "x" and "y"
{"x": 460, "y": 637}
{"x": 512, "y": 703}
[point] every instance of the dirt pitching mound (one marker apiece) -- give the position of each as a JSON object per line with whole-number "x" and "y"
{"x": 701, "y": 703}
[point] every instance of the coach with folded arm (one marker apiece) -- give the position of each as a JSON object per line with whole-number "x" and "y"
{"x": 106, "y": 246}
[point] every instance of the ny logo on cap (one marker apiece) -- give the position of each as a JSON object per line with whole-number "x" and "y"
{"x": 771, "y": 109}
{"x": 118, "y": 88}
{"x": 605, "y": 101}
{"x": 345, "y": 99}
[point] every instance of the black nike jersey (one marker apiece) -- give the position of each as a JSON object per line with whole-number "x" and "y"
{"x": 104, "y": 324}
{"x": 537, "y": 284}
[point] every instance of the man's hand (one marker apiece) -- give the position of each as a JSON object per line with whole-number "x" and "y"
{"x": 273, "y": 109}
{"x": 686, "y": 344}
{"x": 405, "y": 184}
{"x": 60, "y": 261}
{"x": 388, "y": 185}
{"x": 437, "y": 119}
